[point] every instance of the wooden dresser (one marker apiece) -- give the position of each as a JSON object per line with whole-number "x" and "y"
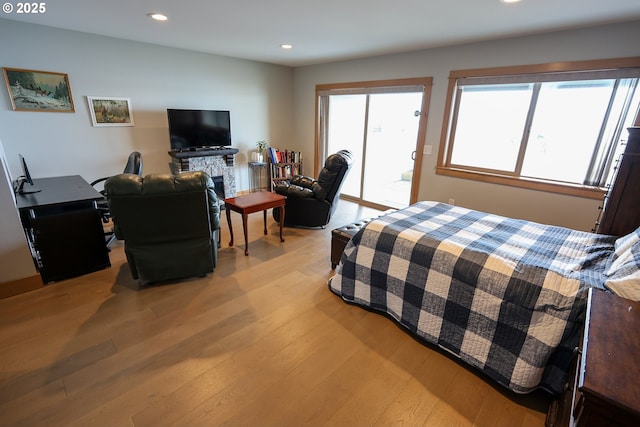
{"x": 620, "y": 214}
{"x": 604, "y": 389}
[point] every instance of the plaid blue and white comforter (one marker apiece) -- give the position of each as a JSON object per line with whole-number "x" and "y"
{"x": 506, "y": 296}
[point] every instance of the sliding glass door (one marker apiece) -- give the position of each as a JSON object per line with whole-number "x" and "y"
{"x": 345, "y": 132}
{"x": 384, "y": 127}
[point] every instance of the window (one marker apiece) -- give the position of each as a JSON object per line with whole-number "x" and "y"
{"x": 557, "y": 130}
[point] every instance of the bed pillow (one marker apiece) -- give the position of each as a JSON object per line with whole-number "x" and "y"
{"x": 623, "y": 269}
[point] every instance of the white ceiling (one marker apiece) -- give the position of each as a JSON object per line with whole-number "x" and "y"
{"x": 322, "y": 31}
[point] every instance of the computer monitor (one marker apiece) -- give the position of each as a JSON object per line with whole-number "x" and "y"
{"x": 25, "y": 182}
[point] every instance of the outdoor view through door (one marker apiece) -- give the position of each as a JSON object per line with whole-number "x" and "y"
{"x": 383, "y": 124}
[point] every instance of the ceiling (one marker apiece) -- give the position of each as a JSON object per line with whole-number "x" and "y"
{"x": 322, "y": 31}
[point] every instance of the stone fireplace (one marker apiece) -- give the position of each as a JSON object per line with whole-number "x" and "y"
{"x": 217, "y": 163}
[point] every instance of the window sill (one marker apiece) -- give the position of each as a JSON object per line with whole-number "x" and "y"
{"x": 529, "y": 183}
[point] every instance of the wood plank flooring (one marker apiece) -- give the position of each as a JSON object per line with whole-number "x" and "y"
{"x": 259, "y": 342}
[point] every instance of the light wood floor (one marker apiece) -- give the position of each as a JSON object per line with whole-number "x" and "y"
{"x": 260, "y": 342}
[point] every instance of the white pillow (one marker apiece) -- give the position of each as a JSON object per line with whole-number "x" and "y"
{"x": 623, "y": 272}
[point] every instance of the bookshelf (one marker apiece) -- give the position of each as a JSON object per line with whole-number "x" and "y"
{"x": 283, "y": 164}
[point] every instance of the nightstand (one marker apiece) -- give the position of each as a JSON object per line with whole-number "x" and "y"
{"x": 605, "y": 389}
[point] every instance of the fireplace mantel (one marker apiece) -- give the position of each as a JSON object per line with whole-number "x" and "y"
{"x": 203, "y": 152}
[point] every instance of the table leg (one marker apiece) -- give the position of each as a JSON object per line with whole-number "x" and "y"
{"x": 265, "y": 221}
{"x": 246, "y": 240}
{"x": 229, "y": 224}
{"x": 281, "y": 222}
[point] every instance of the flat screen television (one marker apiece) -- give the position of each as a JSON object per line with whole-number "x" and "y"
{"x": 195, "y": 129}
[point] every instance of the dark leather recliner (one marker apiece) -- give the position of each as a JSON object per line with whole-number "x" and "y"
{"x": 169, "y": 224}
{"x": 310, "y": 202}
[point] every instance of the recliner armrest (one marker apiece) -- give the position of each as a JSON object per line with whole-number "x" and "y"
{"x": 295, "y": 191}
{"x": 301, "y": 187}
{"x": 311, "y": 184}
{"x": 302, "y": 181}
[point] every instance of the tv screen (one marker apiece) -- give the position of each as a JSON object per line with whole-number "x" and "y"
{"x": 192, "y": 129}
{"x": 25, "y": 182}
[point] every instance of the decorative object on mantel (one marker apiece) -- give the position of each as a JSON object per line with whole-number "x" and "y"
{"x": 31, "y": 90}
{"x": 110, "y": 111}
{"x": 259, "y": 156}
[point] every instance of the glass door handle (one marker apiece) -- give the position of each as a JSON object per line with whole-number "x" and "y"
{"x": 413, "y": 155}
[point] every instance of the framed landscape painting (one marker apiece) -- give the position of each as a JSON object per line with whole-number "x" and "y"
{"x": 32, "y": 90}
{"x": 110, "y": 111}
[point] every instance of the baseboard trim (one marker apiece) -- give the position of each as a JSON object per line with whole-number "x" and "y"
{"x": 15, "y": 287}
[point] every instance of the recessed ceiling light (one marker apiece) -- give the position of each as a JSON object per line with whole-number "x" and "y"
{"x": 509, "y": 1}
{"x": 157, "y": 16}
{"x": 286, "y": 46}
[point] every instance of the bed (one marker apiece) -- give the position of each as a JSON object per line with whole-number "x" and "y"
{"x": 506, "y": 296}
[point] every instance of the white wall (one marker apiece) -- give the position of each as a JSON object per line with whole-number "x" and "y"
{"x": 258, "y": 95}
{"x": 609, "y": 41}
{"x": 15, "y": 258}
{"x": 155, "y": 78}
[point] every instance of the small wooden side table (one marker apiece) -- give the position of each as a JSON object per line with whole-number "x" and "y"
{"x": 250, "y": 203}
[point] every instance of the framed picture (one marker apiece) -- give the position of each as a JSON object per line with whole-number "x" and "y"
{"x": 110, "y": 111}
{"x": 32, "y": 90}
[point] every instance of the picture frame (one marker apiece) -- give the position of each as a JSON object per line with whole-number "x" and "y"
{"x": 34, "y": 90}
{"x": 110, "y": 111}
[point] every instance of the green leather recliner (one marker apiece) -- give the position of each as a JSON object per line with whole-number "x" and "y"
{"x": 169, "y": 224}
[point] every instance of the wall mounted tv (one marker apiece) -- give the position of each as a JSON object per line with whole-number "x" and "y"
{"x": 195, "y": 129}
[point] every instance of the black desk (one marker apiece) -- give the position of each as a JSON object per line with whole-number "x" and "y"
{"x": 63, "y": 227}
